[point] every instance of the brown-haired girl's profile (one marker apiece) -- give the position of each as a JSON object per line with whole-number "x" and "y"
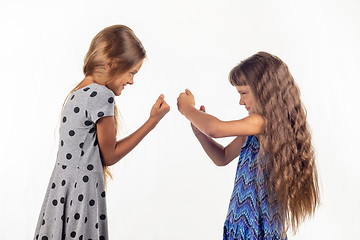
{"x": 75, "y": 202}
{"x": 276, "y": 183}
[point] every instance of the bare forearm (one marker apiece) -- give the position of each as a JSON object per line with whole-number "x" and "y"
{"x": 206, "y": 123}
{"x": 214, "y": 150}
{"x": 125, "y": 145}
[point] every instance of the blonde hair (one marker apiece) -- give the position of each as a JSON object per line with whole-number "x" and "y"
{"x": 118, "y": 44}
{"x": 290, "y": 170}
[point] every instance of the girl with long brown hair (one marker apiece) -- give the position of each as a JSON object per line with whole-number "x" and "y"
{"x": 276, "y": 183}
{"x": 74, "y": 205}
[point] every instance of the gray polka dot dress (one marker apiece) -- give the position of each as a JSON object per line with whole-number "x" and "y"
{"x": 74, "y": 206}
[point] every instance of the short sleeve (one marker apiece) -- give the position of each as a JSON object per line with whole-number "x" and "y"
{"x": 100, "y": 103}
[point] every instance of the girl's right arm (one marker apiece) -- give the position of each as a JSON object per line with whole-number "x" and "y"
{"x": 220, "y": 155}
{"x": 111, "y": 150}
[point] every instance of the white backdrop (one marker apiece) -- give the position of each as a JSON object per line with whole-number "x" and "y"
{"x": 167, "y": 188}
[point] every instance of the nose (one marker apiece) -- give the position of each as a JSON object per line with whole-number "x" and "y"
{"x": 241, "y": 102}
{"x": 131, "y": 81}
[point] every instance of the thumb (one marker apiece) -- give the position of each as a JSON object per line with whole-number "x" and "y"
{"x": 188, "y": 92}
{"x": 160, "y": 100}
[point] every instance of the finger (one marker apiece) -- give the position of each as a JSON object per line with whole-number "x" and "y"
{"x": 188, "y": 92}
{"x": 163, "y": 104}
{"x": 159, "y": 100}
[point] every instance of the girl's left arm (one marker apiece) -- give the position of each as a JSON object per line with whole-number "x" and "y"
{"x": 215, "y": 128}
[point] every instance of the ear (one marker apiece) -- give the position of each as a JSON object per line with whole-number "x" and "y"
{"x": 109, "y": 64}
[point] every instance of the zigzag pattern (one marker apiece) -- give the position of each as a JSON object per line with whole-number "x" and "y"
{"x": 250, "y": 215}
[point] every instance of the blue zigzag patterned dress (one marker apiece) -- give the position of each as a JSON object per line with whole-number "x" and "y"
{"x": 249, "y": 216}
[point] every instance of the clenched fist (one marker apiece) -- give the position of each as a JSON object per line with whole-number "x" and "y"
{"x": 185, "y": 100}
{"x": 159, "y": 109}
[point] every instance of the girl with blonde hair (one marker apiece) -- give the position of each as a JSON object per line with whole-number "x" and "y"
{"x": 276, "y": 183}
{"x": 74, "y": 205}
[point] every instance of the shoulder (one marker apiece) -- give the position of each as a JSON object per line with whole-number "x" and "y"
{"x": 99, "y": 95}
{"x": 101, "y": 89}
{"x": 100, "y": 102}
{"x": 255, "y": 121}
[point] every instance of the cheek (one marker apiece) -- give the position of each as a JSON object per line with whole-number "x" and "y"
{"x": 119, "y": 84}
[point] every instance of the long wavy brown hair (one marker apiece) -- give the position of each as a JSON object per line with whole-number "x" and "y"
{"x": 119, "y": 44}
{"x": 290, "y": 170}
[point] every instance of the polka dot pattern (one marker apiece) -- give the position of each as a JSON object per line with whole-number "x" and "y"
{"x": 100, "y": 114}
{"x": 85, "y": 178}
{"x": 93, "y": 94}
{"x": 78, "y": 171}
{"x": 81, "y": 197}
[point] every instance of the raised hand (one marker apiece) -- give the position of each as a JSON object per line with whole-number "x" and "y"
{"x": 159, "y": 109}
{"x": 185, "y": 100}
